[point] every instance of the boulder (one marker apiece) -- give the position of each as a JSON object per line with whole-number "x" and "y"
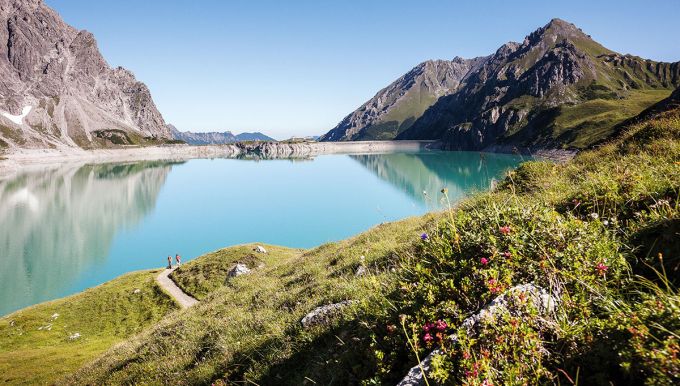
{"x": 260, "y": 249}
{"x": 238, "y": 270}
{"x": 544, "y": 302}
{"x": 324, "y": 314}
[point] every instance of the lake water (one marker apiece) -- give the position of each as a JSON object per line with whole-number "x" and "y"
{"x": 78, "y": 225}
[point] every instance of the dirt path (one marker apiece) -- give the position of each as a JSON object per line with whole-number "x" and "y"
{"x": 168, "y": 285}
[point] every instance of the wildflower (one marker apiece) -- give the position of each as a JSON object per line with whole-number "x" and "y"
{"x": 427, "y": 327}
{"x": 440, "y": 325}
{"x": 424, "y": 237}
{"x": 428, "y": 338}
{"x": 605, "y": 222}
{"x": 484, "y": 261}
{"x": 601, "y": 268}
{"x": 594, "y": 216}
{"x": 506, "y": 254}
{"x": 505, "y": 230}
{"x": 493, "y": 286}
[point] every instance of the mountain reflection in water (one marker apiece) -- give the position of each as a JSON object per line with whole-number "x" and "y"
{"x": 71, "y": 227}
{"x": 54, "y": 225}
{"x": 424, "y": 175}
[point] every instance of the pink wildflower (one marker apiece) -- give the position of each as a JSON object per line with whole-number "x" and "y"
{"x": 493, "y": 286}
{"x": 505, "y": 230}
{"x": 428, "y": 338}
{"x": 601, "y": 268}
{"x": 484, "y": 261}
{"x": 440, "y": 325}
{"x": 507, "y": 254}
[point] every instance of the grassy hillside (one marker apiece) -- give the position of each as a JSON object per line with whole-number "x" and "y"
{"x": 248, "y": 328}
{"x": 36, "y": 345}
{"x": 599, "y": 233}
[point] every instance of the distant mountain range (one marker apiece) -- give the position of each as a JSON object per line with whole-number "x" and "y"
{"x": 56, "y": 89}
{"x": 216, "y": 138}
{"x": 557, "y": 89}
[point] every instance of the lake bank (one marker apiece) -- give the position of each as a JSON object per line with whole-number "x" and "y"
{"x": 19, "y": 159}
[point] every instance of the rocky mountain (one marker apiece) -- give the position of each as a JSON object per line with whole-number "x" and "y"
{"x": 557, "y": 89}
{"x": 395, "y": 108}
{"x": 216, "y": 138}
{"x": 57, "y": 90}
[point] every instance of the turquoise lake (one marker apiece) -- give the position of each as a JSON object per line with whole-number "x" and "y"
{"x": 74, "y": 226}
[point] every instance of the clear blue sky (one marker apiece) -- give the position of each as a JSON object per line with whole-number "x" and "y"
{"x": 298, "y": 67}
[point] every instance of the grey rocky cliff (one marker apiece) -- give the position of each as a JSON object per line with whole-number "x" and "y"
{"x": 398, "y": 105}
{"x": 56, "y": 75}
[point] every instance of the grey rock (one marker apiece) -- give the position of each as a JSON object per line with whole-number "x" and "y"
{"x": 416, "y": 90}
{"x": 260, "y": 249}
{"x": 74, "y": 336}
{"x": 238, "y": 270}
{"x": 73, "y": 94}
{"x": 324, "y": 314}
{"x": 361, "y": 271}
{"x": 545, "y": 304}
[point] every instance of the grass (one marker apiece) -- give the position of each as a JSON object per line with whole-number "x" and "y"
{"x": 599, "y": 233}
{"x": 400, "y": 117}
{"x": 35, "y": 347}
{"x": 581, "y": 125}
{"x": 205, "y": 275}
{"x": 247, "y": 327}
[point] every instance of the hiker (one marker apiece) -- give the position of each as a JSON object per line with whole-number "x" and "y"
{"x": 178, "y": 259}
{"x": 169, "y": 262}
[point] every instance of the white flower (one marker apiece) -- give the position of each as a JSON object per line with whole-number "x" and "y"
{"x": 595, "y": 216}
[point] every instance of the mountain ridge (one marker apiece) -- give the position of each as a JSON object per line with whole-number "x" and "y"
{"x": 57, "y": 90}
{"x": 216, "y": 138}
{"x": 412, "y": 93}
{"x": 558, "y": 88}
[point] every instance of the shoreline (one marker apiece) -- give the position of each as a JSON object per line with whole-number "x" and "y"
{"x": 22, "y": 159}
{"x": 19, "y": 159}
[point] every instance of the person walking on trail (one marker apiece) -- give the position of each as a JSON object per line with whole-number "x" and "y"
{"x": 178, "y": 259}
{"x": 169, "y": 262}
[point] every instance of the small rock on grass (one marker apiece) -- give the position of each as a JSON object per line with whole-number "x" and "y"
{"x": 260, "y": 249}
{"x": 324, "y": 314}
{"x": 238, "y": 270}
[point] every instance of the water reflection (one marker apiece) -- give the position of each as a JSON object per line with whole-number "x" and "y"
{"x": 55, "y": 224}
{"x": 75, "y": 226}
{"x": 459, "y": 172}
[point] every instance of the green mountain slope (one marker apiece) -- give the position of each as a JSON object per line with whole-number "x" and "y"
{"x": 559, "y": 88}
{"x": 394, "y": 108}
